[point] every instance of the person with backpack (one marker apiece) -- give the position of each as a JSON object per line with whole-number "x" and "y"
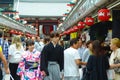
{"x": 15, "y": 56}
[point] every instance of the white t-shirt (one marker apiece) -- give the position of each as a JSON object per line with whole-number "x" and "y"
{"x": 70, "y": 66}
{"x": 111, "y": 61}
{"x": 39, "y": 46}
{"x": 11, "y": 51}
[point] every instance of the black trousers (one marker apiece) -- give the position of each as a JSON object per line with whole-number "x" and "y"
{"x": 13, "y": 70}
{"x": 1, "y": 76}
{"x": 84, "y": 70}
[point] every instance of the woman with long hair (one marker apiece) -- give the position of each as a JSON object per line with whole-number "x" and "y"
{"x": 15, "y": 56}
{"x": 97, "y": 63}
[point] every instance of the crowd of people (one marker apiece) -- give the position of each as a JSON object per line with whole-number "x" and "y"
{"x": 50, "y": 59}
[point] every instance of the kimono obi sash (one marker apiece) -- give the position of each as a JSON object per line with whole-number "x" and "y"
{"x": 52, "y": 63}
{"x": 31, "y": 65}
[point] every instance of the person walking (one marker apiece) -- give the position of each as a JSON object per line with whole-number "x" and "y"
{"x": 29, "y": 67}
{"x": 52, "y": 58}
{"x": 15, "y": 56}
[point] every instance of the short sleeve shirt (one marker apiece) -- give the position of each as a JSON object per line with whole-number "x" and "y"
{"x": 70, "y": 66}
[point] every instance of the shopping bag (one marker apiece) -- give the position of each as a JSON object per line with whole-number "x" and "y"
{"x": 81, "y": 73}
{"x": 111, "y": 74}
{"x": 8, "y": 76}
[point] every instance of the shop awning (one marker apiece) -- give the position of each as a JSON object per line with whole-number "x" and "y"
{"x": 8, "y": 22}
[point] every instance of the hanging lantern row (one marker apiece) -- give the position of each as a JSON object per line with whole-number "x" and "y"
{"x": 16, "y": 32}
{"x": 89, "y": 21}
{"x": 103, "y": 15}
{"x": 29, "y": 35}
{"x": 80, "y": 26}
{"x": 20, "y": 33}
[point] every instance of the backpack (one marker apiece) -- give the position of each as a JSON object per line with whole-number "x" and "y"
{"x": 17, "y": 56}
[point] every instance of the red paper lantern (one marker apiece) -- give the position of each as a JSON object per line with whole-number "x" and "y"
{"x": 89, "y": 21}
{"x": 65, "y": 32}
{"x": 104, "y": 14}
{"x": 81, "y": 25}
{"x": 27, "y": 34}
{"x": 76, "y": 28}
{"x": 68, "y": 31}
{"x": 12, "y": 31}
{"x": 72, "y": 30}
{"x": 16, "y": 32}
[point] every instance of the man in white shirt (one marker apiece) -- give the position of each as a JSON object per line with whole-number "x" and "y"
{"x": 39, "y": 44}
{"x": 72, "y": 61}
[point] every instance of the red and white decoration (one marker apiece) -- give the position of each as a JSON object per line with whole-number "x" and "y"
{"x": 76, "y": 28}
{"x": 81, "y": 25}
{"x": 65, "y": 32}
{"x": 89, "y": 21}
{"x": 104, "y": 14}
{"x": 16, "y": 32}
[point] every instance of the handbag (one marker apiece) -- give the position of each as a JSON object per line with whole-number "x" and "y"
{"x": 8, "y": 77}
{"x": 116, "y": 61}
{"x": 110, "y": 74}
